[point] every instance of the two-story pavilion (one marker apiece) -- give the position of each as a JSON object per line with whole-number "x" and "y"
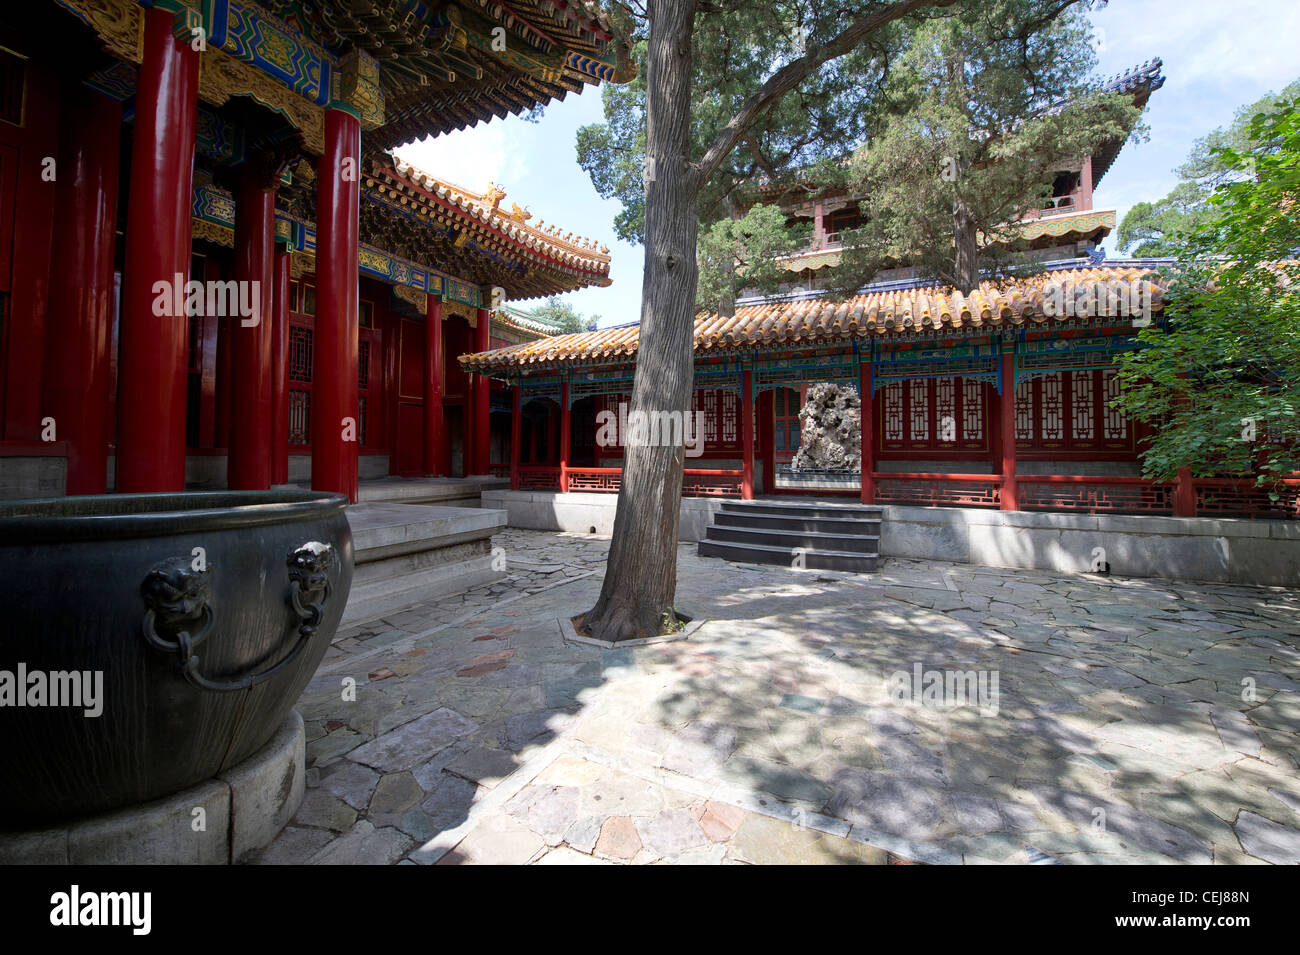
{"x": 214, "y": 272}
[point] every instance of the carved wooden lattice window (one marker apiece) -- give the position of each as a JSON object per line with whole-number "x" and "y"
{"x": 893, "y": 411}
{"x": 710, "y": 417}
{"x": 730, "y": 417}
{"x": 1051, "y": 413}
{"x": 1068, "y": 411}
{"x": 1025, "y": 411}
{"x": 1115, "y": 425}
{"x": 919, "y": 419}
{"x": 299, "y": 353}
{"x": 363, "y": 365}
{"x": 972, "y": 410}
{"x": 299, "y": 417}
{"x": 1081, "y": 406}
{"x": 945, "y": 392}
{"x": 932, "y": 415}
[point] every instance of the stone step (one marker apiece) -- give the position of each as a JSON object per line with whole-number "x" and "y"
{"x": 800, "y": 509}
{"x": 788, "y": 522}
{"x": 868, "y": 544}
{"x": 452, "y": 492}
{"x": 765, "y": 554}
{"x": 409, "y": 553}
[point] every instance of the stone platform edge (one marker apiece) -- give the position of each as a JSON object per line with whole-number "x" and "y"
{"x": 243, "y": 810}
{"x": 1220, "y": 550}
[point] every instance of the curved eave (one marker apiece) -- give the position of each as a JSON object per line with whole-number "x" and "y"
{"x": 815, "y": 322}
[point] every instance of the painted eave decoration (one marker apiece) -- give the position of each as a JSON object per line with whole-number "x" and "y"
{"x": 1026, "y": 303}
{"x": 1094, "y": 224}
{"x": 508, "y": 232}
{"x": 406, "y": 68}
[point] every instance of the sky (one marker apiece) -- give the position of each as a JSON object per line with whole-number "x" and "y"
{"x": 1216, "y": 56}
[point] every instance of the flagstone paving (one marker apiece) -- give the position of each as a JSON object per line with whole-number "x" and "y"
{"x": 1108, "y": 720}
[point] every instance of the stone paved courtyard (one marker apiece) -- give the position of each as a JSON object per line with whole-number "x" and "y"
{"x": 1134, "y": 721}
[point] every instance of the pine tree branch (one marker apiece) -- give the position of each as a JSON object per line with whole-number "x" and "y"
{"x": 795, "y": 72}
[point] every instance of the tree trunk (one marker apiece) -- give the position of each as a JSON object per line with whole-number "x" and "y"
{"x": 641, "y": 573}
{"x": 966, "y": 267}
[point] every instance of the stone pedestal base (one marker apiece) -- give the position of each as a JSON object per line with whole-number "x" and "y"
{"x": 222, "y": 820}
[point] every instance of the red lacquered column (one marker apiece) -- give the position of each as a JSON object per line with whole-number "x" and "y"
{"x": 248, "y": 467}
{"x": 516, "y": 436}
{"x": 746, "y": 435}
{"x": 81, "y": 301}
{"x": 482, "y": 443}
{"x": 564, "y": 435}
{"x": 1007, "y": 439}
{"x": 868, "y": 448}
{"x": 334, "y": 437}
{"x": 433, "y": 414}
{"x": 151, "y": 361}
{"x": 766, "y": 438}
{"x": 1184, "y": 494}
{"x": 221, "y": 392}
{"x": 280, "y": 371}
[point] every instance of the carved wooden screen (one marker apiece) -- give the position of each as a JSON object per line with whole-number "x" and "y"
{"x": 1068, "y": 411}
{"x": 933, "y": 414}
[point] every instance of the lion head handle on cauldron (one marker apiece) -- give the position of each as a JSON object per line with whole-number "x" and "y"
{"x": 309, "y": 566}
{"x": 176, "y": 595}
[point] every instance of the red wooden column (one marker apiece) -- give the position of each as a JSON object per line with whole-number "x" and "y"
{"x": 1185, "y": 494}
{"x": 564, "y": 435}
{"x": 280, "y": 371}
{"x": 1007, "y": 437}
{"x": 868, "y": 448}
{"x": 221, "y": 389}
{"x": 334, "y": 437}
{"x": 481, "y": 390}
{"x": 767, "y": 439}
{"x": 248, "y": 464}
{"x": 77, "y": 382}
{"x": 747, "y": 435}
{"x": 434, "y": 425}
{"x": 1085, "y": 185}
{"x": 516, "y": 434}
{"x": 151, "y": 356}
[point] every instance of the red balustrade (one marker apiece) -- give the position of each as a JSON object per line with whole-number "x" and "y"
{"x": 599, "y": 480}
{"x": 696, "y": 482}
{"x": 938, "y": 490}
{"x": 1242, "y": 497}
{"x": 1095, "y": 494}
{"x": 537, "y": 478}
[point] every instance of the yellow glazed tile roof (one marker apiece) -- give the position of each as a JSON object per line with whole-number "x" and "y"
{"x": 1037, "y": 301}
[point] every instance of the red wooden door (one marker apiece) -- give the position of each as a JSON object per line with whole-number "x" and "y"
{"x": 408, "y": 456}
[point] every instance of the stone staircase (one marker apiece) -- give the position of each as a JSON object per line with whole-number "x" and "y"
{"x": 417, "y": 540}
{"x": 831, "y": 536}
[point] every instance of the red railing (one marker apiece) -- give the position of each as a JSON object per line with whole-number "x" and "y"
{"x": 598, "y": 480}
{"x": 534, "y": 477}
{"x": 1242, "y": 497}
{"x": 938, "y": 490}
{"x": 696, "y": 482}
{"x": 1096, "y": 494}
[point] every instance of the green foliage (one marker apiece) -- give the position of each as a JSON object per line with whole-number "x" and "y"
{"x": 750, "y": 245}
{"x": 1221, "y": 380}
{"x": 984, "y": 108}
{"x": 561, "y": 316}
{"x": 736, "y": 48}
{"x": 1163, "y": 227}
